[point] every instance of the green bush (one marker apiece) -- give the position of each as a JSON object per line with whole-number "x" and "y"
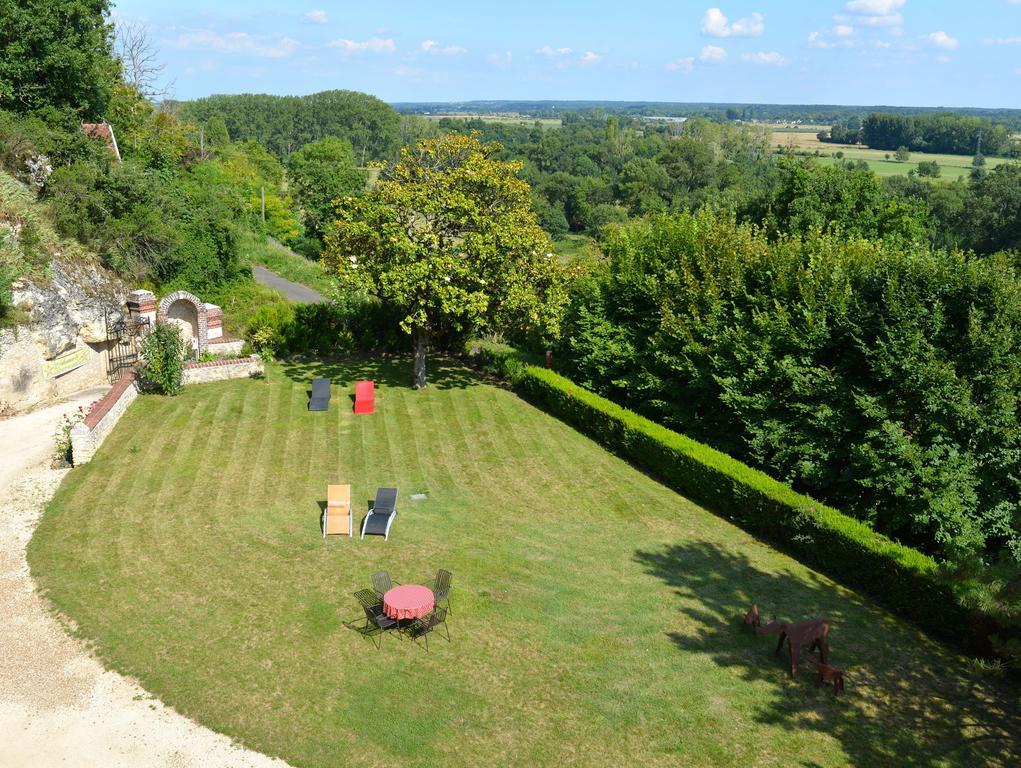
{"x": 163, "y": 359}
{"x": 846, "y": 549}
{"x": 268, "y": 328}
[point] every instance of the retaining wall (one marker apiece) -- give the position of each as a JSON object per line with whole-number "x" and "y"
{"x": 87, "y": 436}
{"x": 218, "y": 370}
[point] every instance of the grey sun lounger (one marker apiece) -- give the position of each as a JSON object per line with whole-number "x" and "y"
{"x": 382, "y": 514}
{"x": 320, "y": 400}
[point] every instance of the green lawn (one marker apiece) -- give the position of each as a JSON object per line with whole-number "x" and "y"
{"x": 596, "y": 614}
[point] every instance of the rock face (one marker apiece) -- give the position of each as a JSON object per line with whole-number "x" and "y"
{"x": 66, "y": 330}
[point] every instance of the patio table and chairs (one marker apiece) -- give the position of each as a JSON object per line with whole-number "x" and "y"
{"x": 411, "y": 609}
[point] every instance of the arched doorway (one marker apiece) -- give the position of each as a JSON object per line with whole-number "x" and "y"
{"x": 189, "y": 314}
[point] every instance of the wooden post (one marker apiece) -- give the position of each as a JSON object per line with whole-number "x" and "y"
{"x": 262, "y": 191}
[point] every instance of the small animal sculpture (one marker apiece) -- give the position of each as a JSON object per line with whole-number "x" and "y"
{"x": 825, "y": 673}
{"x": 752, "y": 617}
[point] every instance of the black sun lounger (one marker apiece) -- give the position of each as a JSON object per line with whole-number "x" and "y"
{"x": 320, "y": 400}
{"x": 382, "y": 514}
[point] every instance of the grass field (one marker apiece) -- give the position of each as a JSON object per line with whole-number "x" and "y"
{"x": 596, "y": 614}
{"x": 952, "y": 166}
{"x": 288, "y": 264}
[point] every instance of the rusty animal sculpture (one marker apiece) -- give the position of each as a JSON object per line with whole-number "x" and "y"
{"x": 813, "y": 633}
{"x": 751, "y": 618}
{"x": 824, "y": 673}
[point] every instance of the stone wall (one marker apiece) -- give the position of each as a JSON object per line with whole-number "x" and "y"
{"x": 66, "y": 321}
{"x": 87, "y": 436}
{"x": 219, "y": 370}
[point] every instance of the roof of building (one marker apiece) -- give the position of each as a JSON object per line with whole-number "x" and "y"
{"x": 104, "y": 132}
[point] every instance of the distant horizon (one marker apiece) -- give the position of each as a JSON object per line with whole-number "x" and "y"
{"x": 824, "y": 52}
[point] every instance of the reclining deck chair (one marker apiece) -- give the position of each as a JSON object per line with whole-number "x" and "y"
{"x": 382, "y": 514}
{"x": 320, "y": 400}
{"x": 337, "y": 517}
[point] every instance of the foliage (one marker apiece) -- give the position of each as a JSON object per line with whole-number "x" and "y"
{"x": 162, "y": 363}
{"x": 904, "y": 579}
{"x": 321, "y": 173}
{"x": 954, "y": 134}
{"x": 63, "y": 449}
{"x": 266, "y": 328}
{"x": 804, "y": 196}
{"x": 882, "y": 378}
{"x": 56, "y": 55}
{"x": 929, "y": 169}
{"x": 992, "y": 211}
{"x": 282, "y": 124}
{"x": 448, "y": 237}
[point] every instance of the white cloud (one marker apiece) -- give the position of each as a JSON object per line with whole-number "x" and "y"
{"x": 943, "y": 59}
{"x": 262, "y": 46}
{"x": 589, "y": 57}
{"x": 405, "y": 71}
{"x": 716, "y": 24}
{"x": 1003, "y": 40}
{"x": 501, "y": 59}
{"x": 843, "y": 30}
{"x": 942, "y": 40}
{"x": 712, "y": 54}
{"x": 431, "y": 46}
{"x": 372, "y": 45}
{"x": 684, "y": 64}
{"x": 765, "y": 59}
{"x": 874, "y": 7}
{"x": 317, "y": 17}
{"x": 877, "y": 13}
{"x": 548, "y": 50}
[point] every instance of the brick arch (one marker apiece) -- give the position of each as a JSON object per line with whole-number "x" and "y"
{"x": 202, "y": 322}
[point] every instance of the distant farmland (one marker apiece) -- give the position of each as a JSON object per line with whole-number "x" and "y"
{"x": 952, "y": 166}
{"x": 512, "y": 119}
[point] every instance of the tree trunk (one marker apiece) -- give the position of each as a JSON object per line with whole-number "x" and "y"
{"x": 421, "y": 346}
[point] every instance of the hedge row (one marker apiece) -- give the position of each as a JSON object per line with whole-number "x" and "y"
{"x": 903, "y": 579}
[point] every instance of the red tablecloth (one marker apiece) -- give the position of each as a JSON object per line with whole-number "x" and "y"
{"x": 408, "y": 601}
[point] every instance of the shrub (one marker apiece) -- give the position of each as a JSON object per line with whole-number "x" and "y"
{"x": 268, "y": 328}
{"x": 901, "y": 578}
{"x": 163, "y": 359}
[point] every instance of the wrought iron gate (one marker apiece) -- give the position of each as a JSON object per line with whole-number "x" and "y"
{"x": 126, "y": 334}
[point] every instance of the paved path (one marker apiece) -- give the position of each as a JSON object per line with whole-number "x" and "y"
{"x": 296, "y": 292}
{"x": 58, "y": 705}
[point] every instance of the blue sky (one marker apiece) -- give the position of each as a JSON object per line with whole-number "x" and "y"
{"x": 897, "y": 52}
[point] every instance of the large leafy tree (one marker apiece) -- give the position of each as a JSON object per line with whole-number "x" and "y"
{"x": 449, "y": 236}
{"x": 320, "y": 173}
{"x": 58, "y": 54}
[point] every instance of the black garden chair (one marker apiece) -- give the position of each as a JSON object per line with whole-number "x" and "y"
{"x": 376, "y": 622}
{"x": 441, "y": 588}
{"x": 424, "y": 626}
{"x": 382, "y": 583}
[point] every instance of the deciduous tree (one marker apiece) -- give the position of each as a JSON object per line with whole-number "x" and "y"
{"x": 450, "y": 237}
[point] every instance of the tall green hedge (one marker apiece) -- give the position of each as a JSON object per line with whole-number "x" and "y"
{"x": 903, "y": 579}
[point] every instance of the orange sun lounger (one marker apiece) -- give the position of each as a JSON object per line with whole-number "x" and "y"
{"x": 337, "y": 516}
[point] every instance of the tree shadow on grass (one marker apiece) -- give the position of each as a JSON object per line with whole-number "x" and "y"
{"x": 908, "y": 702}
{"x": 389, "y": 371}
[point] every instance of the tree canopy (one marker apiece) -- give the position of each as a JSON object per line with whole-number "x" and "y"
{"x": 320, "y": 173}
{"x": 449, "y": 236}
{"x": 56, "y": 54}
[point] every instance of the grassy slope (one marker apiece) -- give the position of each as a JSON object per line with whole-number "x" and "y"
{"x": 596, "y": 613}
{"x": 288, "y": 264}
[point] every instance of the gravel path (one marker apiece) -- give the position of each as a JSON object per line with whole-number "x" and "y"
{"x": 58, "y": 706}
{"x": 296, "y": 292}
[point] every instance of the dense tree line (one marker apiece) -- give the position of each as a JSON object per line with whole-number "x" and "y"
{"x": 283, "y": 124}
{"x": 949, "y": 133}
{"x": 882, "y": 377}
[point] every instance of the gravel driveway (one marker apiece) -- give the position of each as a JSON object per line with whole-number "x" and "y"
{"x": 58, "y": 706}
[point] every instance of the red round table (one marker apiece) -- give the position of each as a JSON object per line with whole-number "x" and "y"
{"x": 408, "y": 601}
